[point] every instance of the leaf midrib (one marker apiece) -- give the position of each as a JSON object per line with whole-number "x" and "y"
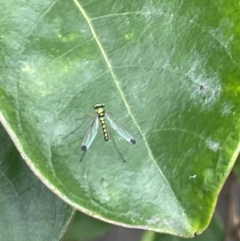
{"x": 114, "y": 78}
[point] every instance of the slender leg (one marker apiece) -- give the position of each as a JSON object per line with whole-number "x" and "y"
{"x": 84, "y": 119}
{"x": 116, "y": 146}
{"x": 84, "y": 152}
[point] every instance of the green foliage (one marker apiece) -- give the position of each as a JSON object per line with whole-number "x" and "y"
{"x": 29, "y": 211}
{"x": 214, "y": 232}
{"x": 168, "y": 71}
{"x": 85, "y": 228}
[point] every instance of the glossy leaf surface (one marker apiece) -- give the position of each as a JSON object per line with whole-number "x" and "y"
{"x": 168, "y": 72}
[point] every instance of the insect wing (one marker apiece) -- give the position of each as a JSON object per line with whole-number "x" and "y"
{"x": 91, "y": 134}
{"x": 123, "y": 133}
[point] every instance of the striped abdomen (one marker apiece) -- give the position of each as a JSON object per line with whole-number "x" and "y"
{"x": 104, "y": 128}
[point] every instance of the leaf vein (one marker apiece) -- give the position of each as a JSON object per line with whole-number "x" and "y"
{"x": 114, "y": 77}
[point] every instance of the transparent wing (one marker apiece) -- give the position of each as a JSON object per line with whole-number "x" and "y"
{"x": 91, "y": 134}
{"x": 123, "y": 133}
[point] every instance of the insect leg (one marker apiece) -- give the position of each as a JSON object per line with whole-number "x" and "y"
{"x": 115, "y": 144}
{"x": 84, "y": 119}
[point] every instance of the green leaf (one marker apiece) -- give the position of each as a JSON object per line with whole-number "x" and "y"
{"x": 214, "y": 232}
{"x": 29, "y": 211}
{"x": 84, "y": 228}
{"x": 169, "y": 74}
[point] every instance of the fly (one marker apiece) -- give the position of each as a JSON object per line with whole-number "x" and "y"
{"x": 98, "y": 120}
